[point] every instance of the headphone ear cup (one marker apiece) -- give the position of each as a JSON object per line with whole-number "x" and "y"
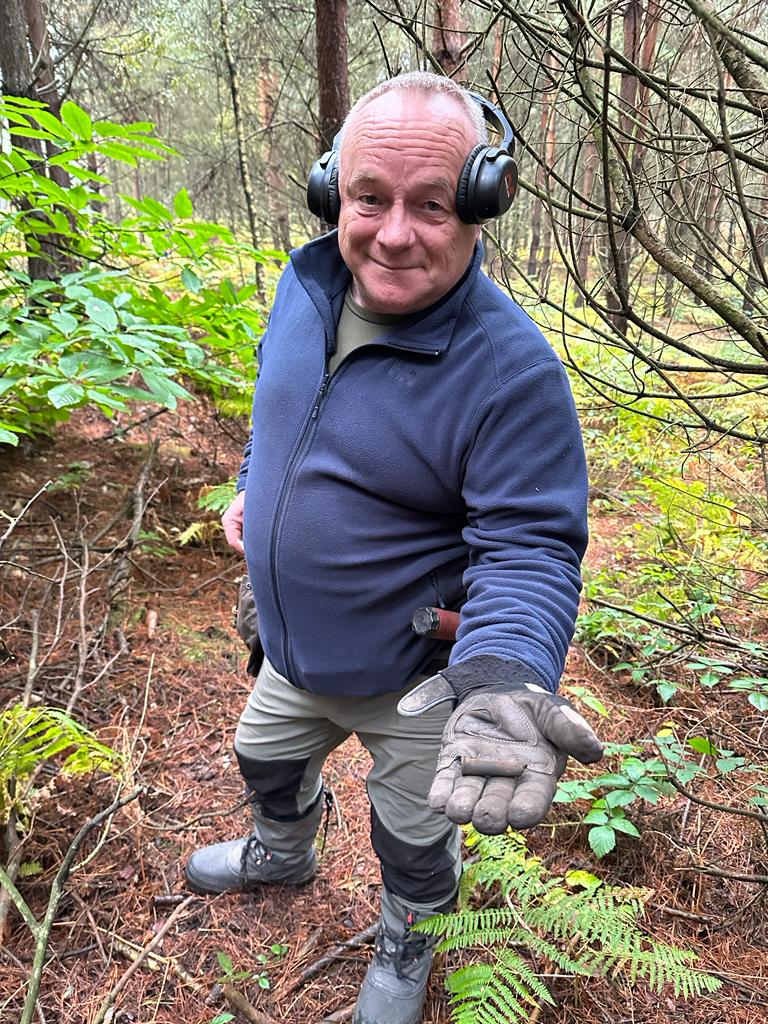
{"x": 332, "y": 194}
{"x": 323, "y": 187}
{"x": 489, "y": 186}
{"x": 464, "y": 203}
{"x": 495, "y": 186}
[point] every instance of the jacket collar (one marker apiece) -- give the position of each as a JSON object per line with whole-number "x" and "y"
{"x": 325, "y": 277}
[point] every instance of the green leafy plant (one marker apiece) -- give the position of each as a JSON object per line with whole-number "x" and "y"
{"x": 30, "y": 736}
{"x": 266, "y": 960}
{"x": 575, "y": 923}
{"x": 213, "y": 499}
{"x": 219, "y": 497}
{"x": 135, "y": 309}
{"x": 640, "y": 775}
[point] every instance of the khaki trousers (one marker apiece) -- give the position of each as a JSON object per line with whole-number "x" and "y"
{"x": 283, "y": 738}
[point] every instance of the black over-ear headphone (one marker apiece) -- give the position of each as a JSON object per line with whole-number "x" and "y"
{"x": 487, "y": 183}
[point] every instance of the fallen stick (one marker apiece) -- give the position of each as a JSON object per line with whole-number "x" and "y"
{"x": 138, "y": 961}
{"x": 366, "y": 935}
{"x": 344, "y": 1014}
{"x": 238, "y": 1002}
{"x": 140, "y": 953}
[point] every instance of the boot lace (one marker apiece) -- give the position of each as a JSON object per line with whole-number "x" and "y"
{"x": 404, "y": 953}
{"x": 253, "y": 852}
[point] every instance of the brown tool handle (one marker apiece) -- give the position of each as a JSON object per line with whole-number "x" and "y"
{"x": 492, "y": 769}
{"x": 438, "y": 623}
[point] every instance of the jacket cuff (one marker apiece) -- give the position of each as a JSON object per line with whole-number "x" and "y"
{"x": 488, "y": 672}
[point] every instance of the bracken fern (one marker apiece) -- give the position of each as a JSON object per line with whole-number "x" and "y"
{"x": 595, "y": 932}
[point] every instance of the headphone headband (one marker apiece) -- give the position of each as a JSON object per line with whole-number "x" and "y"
{"x": 486, "y": 187}
{"x": 494, "y": 116}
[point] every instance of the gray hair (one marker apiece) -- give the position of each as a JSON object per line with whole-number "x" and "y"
{"x": 427, "y": 84}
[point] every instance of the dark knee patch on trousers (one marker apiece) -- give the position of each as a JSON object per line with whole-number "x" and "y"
{"x": 417, "y": 874}
{"x": 275, "y": 784}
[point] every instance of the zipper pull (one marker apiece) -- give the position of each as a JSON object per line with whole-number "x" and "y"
{"x": 321, "y": 394}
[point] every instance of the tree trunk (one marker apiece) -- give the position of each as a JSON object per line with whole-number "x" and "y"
{"x": 585, "y": 238}
{"x": 448, "y": 36}
{"x": 539, "y": 227}
{"x": 278, "y": 212}
{"x": 332, "y": 75}
{"x": 245, "y": 173}
{"x": 15, "y": 65}
{"x": 44, "y": 259}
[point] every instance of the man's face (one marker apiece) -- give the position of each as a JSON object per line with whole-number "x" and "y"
{"x": 399, "y": 232}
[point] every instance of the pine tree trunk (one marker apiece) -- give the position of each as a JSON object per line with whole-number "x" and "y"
{"x": 332, "y": 76}
{"x": 278, "y": 213}
{"x": 448, "y": 35}
{"x": 245, "y": 173}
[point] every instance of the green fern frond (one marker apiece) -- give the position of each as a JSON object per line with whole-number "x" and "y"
{"x": 486, "y": 937}
{"x": 29, "y": 736}
{"x": 595, "y": 932}
{"x": 519, "y": 976}
{"x": 482, "y": 994}
{"x": 202, "y": 531}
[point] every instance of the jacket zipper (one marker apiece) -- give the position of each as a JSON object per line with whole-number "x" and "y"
{"x": 290, "y": 473}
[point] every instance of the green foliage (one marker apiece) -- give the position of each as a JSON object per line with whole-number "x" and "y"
{"x": 574, "y": 922}
{"x": 638, "y": 776}
{"x": 265, "y": 959}
{"x": 213, "y": 499}
{"x": 145, "y": 301}
{"x": 30, "y": 736}
{"x": 219, "y": 497}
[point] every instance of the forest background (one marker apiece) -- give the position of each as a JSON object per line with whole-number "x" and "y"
{"x": 153, "y": 166}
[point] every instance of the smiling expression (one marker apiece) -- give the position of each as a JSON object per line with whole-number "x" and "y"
{"x": 399, "y": 232}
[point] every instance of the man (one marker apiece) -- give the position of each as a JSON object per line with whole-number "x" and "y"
{"x": 414, "y": 443}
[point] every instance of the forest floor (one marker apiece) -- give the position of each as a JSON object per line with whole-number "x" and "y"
{"x": 141, "y": 636}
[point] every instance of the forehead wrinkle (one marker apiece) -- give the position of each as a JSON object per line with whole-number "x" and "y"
{"x": 426, "y": 133}
{"x": 359, "y": 179}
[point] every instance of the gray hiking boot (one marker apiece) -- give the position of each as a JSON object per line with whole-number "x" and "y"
{"x": 242, "y": 864}
{"x": 394, "y": 989}
{"x": 276, "y": 853}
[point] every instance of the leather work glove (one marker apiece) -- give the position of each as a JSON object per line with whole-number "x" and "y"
{"x": 505, "y": 745}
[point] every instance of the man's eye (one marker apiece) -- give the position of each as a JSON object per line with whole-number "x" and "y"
{"x": 432, "y": 206}
{"x": 368, "y": 200}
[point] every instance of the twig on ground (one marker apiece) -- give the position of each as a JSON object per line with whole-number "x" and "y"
{"x": 742, "y": 812}
{"x": 344, "y": 1014}
{"x": 685, "y": 914}
{"x": 132, "y": 950}
{"x": 742, "y": 986}
{"x": 238, "y": 1002}
{"x": 363, "y": 937}
{"x": 142, "y": 956}
{"x": 119, "y": 577}
{"x": 205, "y": 816}
{"x": 41, "y": 930}
{"x": 712, "y": 869}
{"x": 15, "y": 521}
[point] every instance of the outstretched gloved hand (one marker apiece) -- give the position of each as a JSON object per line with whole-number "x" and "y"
{"x": 504, "y": 747}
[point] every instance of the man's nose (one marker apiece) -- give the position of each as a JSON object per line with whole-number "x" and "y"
{"x": 396, "y": 228}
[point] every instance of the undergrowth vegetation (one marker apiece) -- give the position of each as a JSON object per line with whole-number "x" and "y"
{"x": 134, "y": 307}
{"x": 576, "y": 923}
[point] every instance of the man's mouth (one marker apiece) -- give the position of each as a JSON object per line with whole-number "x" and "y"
{"x": 388, "y": 266}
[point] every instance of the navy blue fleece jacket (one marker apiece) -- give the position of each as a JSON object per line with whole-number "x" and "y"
{"x": 442, "y": 465}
